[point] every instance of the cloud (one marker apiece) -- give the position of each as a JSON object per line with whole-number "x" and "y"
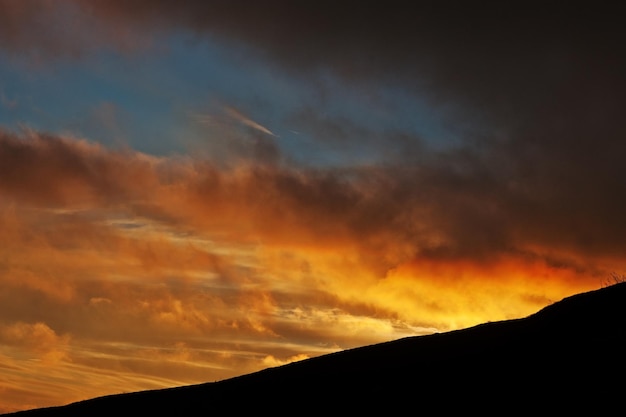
{"x": 457, "y": 205}
{"x": 51, "y": 170}
{"x": 233, "y": 262}
{"x": 535, "y": 97}
{"x": 152, "y": 272}
{"x": 175, "y": 270}
{"x": 36, "y": 338}
{"x": 515, "y": 67}
{"x": 495, "y": 57}
{"x": 40, "y": 31}
{"x": 270, "y": 361}
{"x": 449, "y": 43}
{"x": 241, "y": 118}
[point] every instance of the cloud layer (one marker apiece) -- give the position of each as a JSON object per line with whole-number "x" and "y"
{"x": 126, "y": 271}
{"x": 216, "y": 270}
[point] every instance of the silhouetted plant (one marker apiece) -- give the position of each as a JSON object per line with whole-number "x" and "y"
{"x": 613, "y": 279}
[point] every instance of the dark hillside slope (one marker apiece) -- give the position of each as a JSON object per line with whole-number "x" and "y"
{"x": 569, "y": 356}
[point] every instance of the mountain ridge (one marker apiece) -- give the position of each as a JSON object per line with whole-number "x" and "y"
{"x": 566, "y": 353}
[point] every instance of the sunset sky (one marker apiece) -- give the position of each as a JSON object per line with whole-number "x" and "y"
{"x": 194, "y": 190}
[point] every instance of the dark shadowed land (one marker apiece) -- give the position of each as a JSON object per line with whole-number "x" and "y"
{"x": 570, "y": 356}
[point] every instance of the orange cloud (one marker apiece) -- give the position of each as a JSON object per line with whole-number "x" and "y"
{"x": 35, "y": 338}
{"x": 271, "y": 362}
{"x": 142, "y": 272}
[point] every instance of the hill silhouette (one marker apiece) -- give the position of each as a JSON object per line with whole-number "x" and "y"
{"x": 568, "y": 357}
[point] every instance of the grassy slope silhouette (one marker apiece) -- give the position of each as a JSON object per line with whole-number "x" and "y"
{"x": 568, "y": 357}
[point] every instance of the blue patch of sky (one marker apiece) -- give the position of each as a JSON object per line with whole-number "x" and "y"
{"x": 63, "y": 98}
{"x": 154, "y": 96}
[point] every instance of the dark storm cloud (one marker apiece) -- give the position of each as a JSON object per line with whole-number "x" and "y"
{"x": 534, "y": 92}
{"x": 501, "y": 57}
{"x": 40, "y": 31}
{"x": 50, "y": 170}
{"x": 23, "y": 25}
{"x": 499, "y": 54}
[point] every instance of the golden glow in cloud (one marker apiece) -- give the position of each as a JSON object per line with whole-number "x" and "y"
{"x": 122, "y": 271}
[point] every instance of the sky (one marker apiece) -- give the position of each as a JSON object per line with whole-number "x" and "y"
{"x": 194, "y": 190}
